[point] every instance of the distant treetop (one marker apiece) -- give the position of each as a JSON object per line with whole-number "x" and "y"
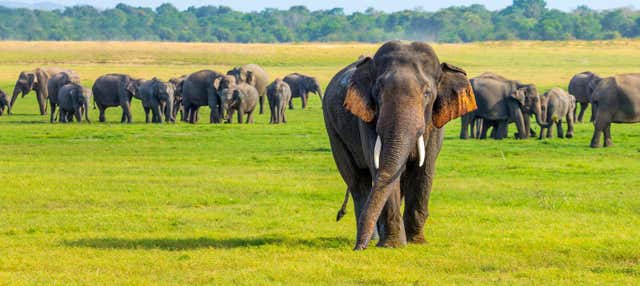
{"x": 523, "y": 20}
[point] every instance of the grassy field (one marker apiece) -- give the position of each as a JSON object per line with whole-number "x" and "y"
{"x": 106, "y": 204}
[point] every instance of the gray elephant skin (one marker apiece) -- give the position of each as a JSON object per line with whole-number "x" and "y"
{"x": 4, "y": 102}
{"x": 54, "y": 84}
{"x": 36, "y": 80}
{"x": 384, "y": 117}
{"x": 301, "y": 85}
{"x": 581, "y": 87}
{"x": 615, "y": 99}
{"x": 254, "y": 75}
{"x": 241, "y": 98}
{"x": 500, "y": 102}
{"x": 113, "y": 90}
{"x": 177, "y": 83}
{"x": 73, "y": 100}
{"x": 279, "y": 95}
{"x": 557, "y": 105}
{"x": 157, "y": 98}
{"x": 201, "y": 89}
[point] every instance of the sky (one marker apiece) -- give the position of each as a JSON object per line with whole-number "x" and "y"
{"x": 349, "y": 6}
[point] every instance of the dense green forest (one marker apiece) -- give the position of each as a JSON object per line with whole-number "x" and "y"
{"x": 524, "y": 20}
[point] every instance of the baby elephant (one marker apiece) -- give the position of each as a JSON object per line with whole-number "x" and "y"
{"x": 279, "y": 95}
{"x": 556, "y": 105}
{"x": 240, "y": 97}
{"x": 157, "y": 97}
{"x": 4, "y": 102}
{"x": 73, "y": 100}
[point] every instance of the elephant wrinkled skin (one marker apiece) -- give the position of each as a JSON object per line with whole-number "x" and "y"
{"x": 616, "y": 99}
{"x": 279, "y": 95}
{"x": 36, "y": 80}
{"x": 556, "y": 105}
{"x": 73, "y": 100}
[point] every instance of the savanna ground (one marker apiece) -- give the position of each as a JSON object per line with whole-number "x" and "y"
{"x": 229, "y": 204}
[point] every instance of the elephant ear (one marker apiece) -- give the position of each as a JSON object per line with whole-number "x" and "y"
{"x": 250, "y": 78}
{"x": 31, "y": 78}
{"x": 130, "y": 86}
{"x": 455, "y": 96}
{"x": 359, "y": 99}
{"x": 519, "y": 96}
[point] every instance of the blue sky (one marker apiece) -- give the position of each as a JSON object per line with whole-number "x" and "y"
{"x": 350, "y": 6}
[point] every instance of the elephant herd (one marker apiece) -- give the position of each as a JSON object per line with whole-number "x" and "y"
{"x": 503, "y": 101}
{"x": 242, "y": 90}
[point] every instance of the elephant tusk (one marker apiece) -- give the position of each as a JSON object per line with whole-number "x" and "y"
{"x": 421, "y": 150}
{"x": 376, "y": 153}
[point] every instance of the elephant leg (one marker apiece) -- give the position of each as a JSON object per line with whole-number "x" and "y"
{"x": 416, "y": 184}
{"x": 503, "y": 130}
{"x": 250, "y": 117}
{"x": 464, "y": 128}
{"x": 608, "y": 142}
{"x": 63, "y": 116}
{"x": 282, "y": 113}
{"x": 304, "y": 101}
{"x": 560, "y": 130}
{"x": 599, "y": 127}
{"x": 569, "y": 125}
{"x": 477, "y": 130}
{"x": 101, "y": 108}
{"x": 391, "y": 226}
{"x": 240, "y": 111}
{"x": 41, "y": 103}
{"x": 53, "y": 113}
{"x": 485, "y": 128}
{"x": 291, "y": 103}
{"x": 146, "y": 114}
{"x": 550, "y": 131}
{"x": 494, "y": 132}
{"x": 262, "y": 103}
{"x": 541, "y": 132}
{"x": 126, "y": 113}
{"x": 583, "y": 108}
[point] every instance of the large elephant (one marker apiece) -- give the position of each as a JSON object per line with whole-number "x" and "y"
{"x": 74, "y": 101}
{"x": 384, "y": 117}
{"x": 4, "y": 102}
{"x": 201, "y": 89}
{"x": 581, "y": 87}
{"x": 556, "y": 105}
{"x": 55, "y": 83}
{"x": 112, "y": 90}
{"x": 254, "y": 75}
{"x": 157, "y": 97}
{"x": 502, "y": 101}
{"x": 36, "y": 80}
{"x": 615, "y": 99}
{"x": 239, "y": 97}
{"x": 177, "y": 97}
{"x": 279, "y": 94}
{"x": 301, "y": 85}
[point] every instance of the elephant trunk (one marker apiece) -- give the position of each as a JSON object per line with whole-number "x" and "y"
{"x": 16, "y": 91}
{"x": 538, "y": 113}
{"x": 319, "y": 92}
{"x": 86, "y": 111}
{"x": 168, "y": 111}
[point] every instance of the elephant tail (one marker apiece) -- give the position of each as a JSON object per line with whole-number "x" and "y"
{"x": 94, "y": 103}
{"x": 343, "y": 209}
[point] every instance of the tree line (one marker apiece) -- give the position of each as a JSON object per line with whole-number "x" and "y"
{"x": 523, "y": 20}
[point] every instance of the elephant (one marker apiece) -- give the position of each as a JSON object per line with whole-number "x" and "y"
{"x": 502, "y": 101}
{"x": 177, "y": 83}
{"x": 4, "y": 102}
{"x": 241, "y": 97}
{"x": 615, "y": 99}
{"x": 301, "y": 85}
{"x": 254, "y": 75}
{"x": 279, "y": 95}
{"x": 384, "y": 117}
{"x": 581, "y": 87}
{"x": 112, "y": 90}
{"x": 74, "y": 101}
{"x": 54, "y": 84}
{"x": 556, "y": 105}
{"x": 157, "y": 97}
{"x": 36, "y": 80}
{"x": 200, "y": 89}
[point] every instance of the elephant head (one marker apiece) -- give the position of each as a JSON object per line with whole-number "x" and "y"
{"x": 242, "y": 75}
{"x": 27, "y": 81}
{"x": 4, "y": 102}
{"x": 404, "y": 93}
{"x": 529, "y": 101}
{"x": 163, "y": 94}
{"x": 312, "y": 86}
{"x": 80, "y": 97}
{"x": 227, "y": 89}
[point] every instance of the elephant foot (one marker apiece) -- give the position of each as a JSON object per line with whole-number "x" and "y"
{"x": 595, "y": 145}
{"x": 392, "y": 243}
{"x": 569, "y": 135}
{"x": 417, "y": 239}
{"x": 608, "y": 143}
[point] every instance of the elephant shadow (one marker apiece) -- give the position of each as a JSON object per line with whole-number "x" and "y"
{"x": 179, "y": 244}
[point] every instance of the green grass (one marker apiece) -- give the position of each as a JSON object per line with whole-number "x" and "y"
{"x": 106, "y": 204}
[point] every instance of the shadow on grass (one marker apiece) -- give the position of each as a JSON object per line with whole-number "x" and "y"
{"x": 176, "y": 244}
